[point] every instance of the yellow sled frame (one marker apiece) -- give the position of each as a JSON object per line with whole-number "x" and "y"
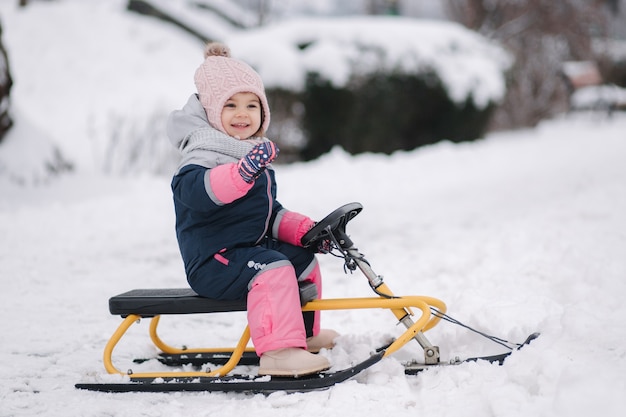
{"x": 399, "y": 306}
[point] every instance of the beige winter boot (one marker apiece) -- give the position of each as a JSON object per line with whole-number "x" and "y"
{"x": 293, "y": 362}
{"x": 325, "y": 339}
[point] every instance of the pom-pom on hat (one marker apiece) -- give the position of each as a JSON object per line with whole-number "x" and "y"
{"x": 220, "y": 77}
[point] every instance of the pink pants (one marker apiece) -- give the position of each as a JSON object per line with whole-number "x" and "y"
{"x": 274, "y": 312}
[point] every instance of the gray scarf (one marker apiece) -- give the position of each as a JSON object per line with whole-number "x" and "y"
{"x": 209, "y": 148}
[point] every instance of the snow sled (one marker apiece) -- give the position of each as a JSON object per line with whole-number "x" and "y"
{"x": 417, "y": 314}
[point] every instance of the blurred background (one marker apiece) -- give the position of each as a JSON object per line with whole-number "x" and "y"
{"x": 364, "y": 75}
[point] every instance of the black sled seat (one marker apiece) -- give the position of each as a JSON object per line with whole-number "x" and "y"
{"x": 155, "y": 302}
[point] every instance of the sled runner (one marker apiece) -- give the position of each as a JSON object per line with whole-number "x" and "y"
{"x": 418, "y": 314}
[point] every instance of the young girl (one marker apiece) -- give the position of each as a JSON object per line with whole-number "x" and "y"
{"x": 235, "y": 238}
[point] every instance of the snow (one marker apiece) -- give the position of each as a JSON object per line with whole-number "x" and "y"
{"x": 519, "y": 232}
{"x": 204, "y": 20}
{"x": 601, "y": 97}
{"x": 103, "y": 65}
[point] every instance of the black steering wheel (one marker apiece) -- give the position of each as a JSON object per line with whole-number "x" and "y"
{"x": 334, "y": 223}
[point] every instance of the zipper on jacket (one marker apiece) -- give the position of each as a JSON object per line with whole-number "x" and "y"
{"x": 270, "y": 205}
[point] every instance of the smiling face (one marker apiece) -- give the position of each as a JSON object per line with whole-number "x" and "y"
{"x": 241, "y": 115}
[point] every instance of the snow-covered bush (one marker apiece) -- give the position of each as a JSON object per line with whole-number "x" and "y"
{"x": 385, "y": 113}
{"x": 374, "y": 83}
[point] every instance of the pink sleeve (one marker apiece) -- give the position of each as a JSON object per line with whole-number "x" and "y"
{"x": 290, "y": 226}
{"x": 224, "y": 184}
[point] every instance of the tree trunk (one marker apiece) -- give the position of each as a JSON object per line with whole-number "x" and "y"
{"x": 5, "y": 89}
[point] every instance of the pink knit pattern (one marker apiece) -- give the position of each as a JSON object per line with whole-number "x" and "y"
{"x": 219, "y": 78}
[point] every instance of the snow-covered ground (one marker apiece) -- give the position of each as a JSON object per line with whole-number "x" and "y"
{"x": 519, "y": 232}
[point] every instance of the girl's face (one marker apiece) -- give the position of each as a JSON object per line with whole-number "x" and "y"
{"x": 241, "y": 115}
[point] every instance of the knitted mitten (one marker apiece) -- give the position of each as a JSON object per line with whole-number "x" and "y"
{"x": 253, "y": 164}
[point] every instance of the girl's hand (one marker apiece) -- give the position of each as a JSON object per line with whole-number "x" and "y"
{"x": 254, "y": 163}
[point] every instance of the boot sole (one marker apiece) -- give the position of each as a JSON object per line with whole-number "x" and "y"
{"x": 291, "y": 373}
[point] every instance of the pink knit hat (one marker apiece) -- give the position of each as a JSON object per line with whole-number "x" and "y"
{"x": 220, "y": 77}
